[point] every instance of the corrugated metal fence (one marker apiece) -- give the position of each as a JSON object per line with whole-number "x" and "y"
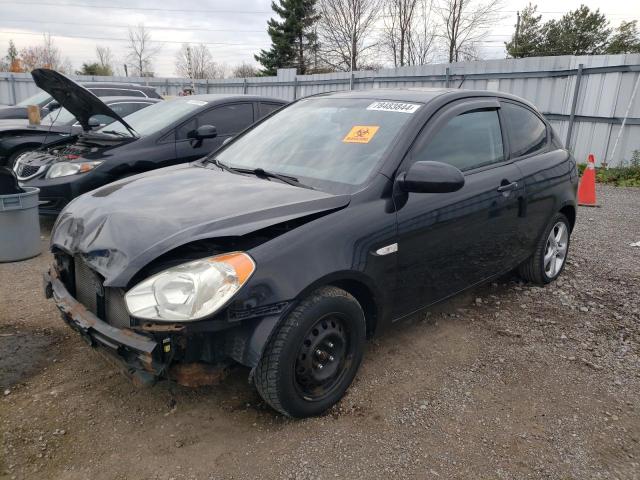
{"x": 585, "y": 97}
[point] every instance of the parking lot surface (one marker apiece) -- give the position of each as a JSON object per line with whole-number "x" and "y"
{"x": 508, "y": 381}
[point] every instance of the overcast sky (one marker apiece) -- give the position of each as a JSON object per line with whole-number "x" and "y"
{"x": 233, "y": 29}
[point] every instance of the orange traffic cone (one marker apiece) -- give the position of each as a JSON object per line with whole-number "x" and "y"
{"x": 587, "y": 187}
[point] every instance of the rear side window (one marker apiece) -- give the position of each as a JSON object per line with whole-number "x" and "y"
{"x": 228, "y": 120}
{"x": 527, "y": 133}
{"x": 470, "y": 140}
{"x": 267, "y": 108}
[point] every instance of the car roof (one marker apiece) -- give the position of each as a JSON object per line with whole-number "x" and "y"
{"x": 121, "y": 98}
{"x": 114, "y": 85}
{"x": 422, "y": 95}
{"x": 226, "y": 97}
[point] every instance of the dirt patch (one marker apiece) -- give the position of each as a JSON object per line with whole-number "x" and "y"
{"x": 509, "y": 381}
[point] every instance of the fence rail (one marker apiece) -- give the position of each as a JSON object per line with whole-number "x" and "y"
{"x": 588, "y": 99}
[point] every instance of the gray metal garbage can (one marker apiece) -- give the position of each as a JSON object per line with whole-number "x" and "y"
{"x": 19, "y": 225}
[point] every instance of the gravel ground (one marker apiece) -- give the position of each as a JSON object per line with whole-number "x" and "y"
{"x": 509, "y": 381}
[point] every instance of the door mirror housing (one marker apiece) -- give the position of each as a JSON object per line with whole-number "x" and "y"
{"x": 54, "y": 105}
{"x": 431, "y": 177}
{"x": 204, "y": 131}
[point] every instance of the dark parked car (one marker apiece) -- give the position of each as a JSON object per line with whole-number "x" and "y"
{"x": 324, "y": 223}
{"x": 18, "y": 138}
{"x": 171, "y": 132}
{"x": 48, "y": 104}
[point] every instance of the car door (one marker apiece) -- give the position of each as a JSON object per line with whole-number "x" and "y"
{"x": 450, "y": 241}
{"x": 544, "y": 167}
{"x": 229, "y": 120}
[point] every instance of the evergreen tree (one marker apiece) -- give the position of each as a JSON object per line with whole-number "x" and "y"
{"x": 626, "y": 39}
{"x": 580, "y": 32}
{"x": 291, "y": 38}
{"x": 528, "y": 39}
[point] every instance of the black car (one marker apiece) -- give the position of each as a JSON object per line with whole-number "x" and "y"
{"x": 48, "y": 104}
{"x": 171, "y": 132}
{"x": 321, "y": 225}
{"x": 18, "y": 137}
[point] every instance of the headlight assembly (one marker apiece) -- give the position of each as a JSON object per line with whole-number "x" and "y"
{"x": 62, "y": 169}
{"x": 192, "y": 290}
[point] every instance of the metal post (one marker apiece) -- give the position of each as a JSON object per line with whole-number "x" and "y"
{"x": 295, "y": 87}
{"x": 245, "y": 86}
{"x": 447, "y": 74}
{"x": 12, "y": 81}
{"x": 207, "y": 86}
{"x": 574, "y": 103}
{"x": 352, "y": 80}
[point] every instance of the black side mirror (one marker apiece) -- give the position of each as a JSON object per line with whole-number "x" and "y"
{"x": 204, "y": 131}
{"x": 431, "y": 177}
{"x": 53, "y": 106}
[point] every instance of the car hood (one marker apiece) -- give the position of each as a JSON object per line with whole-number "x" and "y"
{"x": 75, "y": 98}
{"x": 120, "y": 228}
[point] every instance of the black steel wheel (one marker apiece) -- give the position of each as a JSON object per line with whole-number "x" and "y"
{"x": 313, "y": 356}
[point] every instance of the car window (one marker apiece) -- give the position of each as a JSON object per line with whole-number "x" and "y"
{"x": 266, "y": 108}
{"x": 527, "y": 133}
{"x": 470, "y": 140}
{"x": 228, "y": 119}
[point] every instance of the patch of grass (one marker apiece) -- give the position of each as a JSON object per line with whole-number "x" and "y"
{"x": 626, "y": 175}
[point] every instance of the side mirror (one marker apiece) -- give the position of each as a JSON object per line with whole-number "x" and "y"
{"x": 431, "y": 177}
{"x": 53, "y": 106}
{"x": 204, "y": 131}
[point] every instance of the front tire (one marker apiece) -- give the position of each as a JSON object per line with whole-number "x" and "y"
{"x": 313, "y": 356}
{"x": 11, "y": 161}
{"x": 550, "y": 256}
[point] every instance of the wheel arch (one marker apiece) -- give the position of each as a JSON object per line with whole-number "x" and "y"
{"x": 569, "y": 211}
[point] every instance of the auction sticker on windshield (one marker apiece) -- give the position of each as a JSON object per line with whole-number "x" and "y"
{"x": 393, "y": 107}
{"x": 361, "y": 134}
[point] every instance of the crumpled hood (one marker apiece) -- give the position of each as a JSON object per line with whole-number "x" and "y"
{"x": 123, "y": 226}
{"x": 75, "y": 98}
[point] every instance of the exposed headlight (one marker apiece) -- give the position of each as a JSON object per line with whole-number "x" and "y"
{"x": 192, "y": 290}
{"x": 62, "y": 169}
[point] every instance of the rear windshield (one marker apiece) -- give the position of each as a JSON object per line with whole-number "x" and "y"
{"x": 329, "y": 143}
{"x": 156, "y": 117}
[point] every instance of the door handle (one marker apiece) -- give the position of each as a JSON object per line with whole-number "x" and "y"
{"x": 508, "y": 187}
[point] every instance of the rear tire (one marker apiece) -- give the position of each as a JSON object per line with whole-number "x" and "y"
{"x": 314, "y": 354}
{"x": 550, "y": 256}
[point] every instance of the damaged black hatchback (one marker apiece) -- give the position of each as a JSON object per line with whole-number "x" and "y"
{"x": 317, "y": 227}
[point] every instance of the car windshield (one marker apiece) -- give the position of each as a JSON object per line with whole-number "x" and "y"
{"x": 154, "y": 118}
{"x": 333, "y": 144}
{"x": 60, "y": 116}
{"x": 36, "y": 99}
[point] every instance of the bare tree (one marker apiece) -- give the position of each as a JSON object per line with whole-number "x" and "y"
{"x": 464, "y": 23}
{"x": 105, "y": 59}
{"x": 46, "y": 55}
{"x": 345, "y": 31}
{"x": 398, "y": 20}
{"x": 141, "y": 50}
{"x": 422, "y": 34}
{"x": 244, "y": 70}
{"x": 197, "y": 62}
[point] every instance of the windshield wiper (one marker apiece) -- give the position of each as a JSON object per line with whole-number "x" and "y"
{"x": 262, "y": 173}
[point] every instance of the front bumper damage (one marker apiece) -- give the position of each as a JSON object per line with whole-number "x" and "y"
{"x": 144, "y": 359}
